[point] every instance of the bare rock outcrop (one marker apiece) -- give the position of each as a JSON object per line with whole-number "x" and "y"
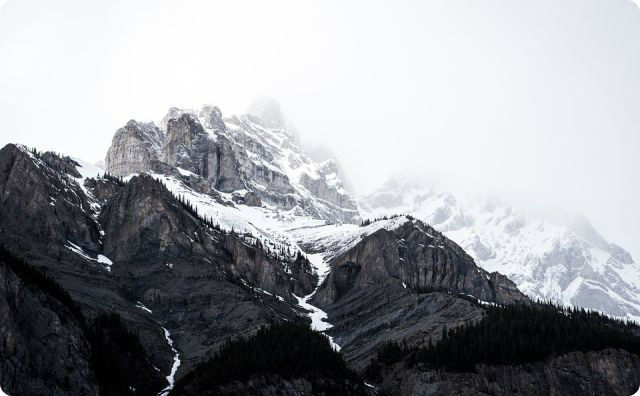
{"x": 133, "y": 149}
{"x": 252, "y": 152}
{"x": 43, "y": 347}
{"x": 418, "y": 256}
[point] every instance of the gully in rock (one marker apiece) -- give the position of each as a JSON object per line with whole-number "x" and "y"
{"x": 317, "y": 315}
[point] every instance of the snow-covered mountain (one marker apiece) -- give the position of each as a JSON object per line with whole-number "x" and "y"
{"x": 247, "y": 173}
{"x": 244, "y": 173}
{"x": 568, "y": 261}
{"x": 216, "y": 227}
{"x": 253, "y": 157}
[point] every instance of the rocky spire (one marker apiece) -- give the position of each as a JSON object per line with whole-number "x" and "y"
{"x": 133, "y": 148}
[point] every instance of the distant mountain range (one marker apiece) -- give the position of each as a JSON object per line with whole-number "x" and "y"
{"x": 568, "y": 262}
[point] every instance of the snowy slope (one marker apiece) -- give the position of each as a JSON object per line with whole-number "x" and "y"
{"x": 250, "y": 154}
{"x": 566, "y": 262}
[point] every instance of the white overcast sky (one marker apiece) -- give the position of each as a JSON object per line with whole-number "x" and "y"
{"x": 535, "y": 100}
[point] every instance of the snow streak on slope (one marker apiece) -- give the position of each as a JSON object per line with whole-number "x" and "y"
{"x": 266, "y": 223}
{"x": 171, "y": 378}
{"x": 88, "y": 171}
{"x": 287, "y": 229}
{"x": 317, "y": 315}
{"x": 566, "y": 262}
{"x": 101, "y": 259}
{"x": 335, "y": 239}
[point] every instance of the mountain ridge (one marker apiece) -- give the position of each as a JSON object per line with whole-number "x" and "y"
{"x": 565, "y": 262}
{"x": 211, "y": 227}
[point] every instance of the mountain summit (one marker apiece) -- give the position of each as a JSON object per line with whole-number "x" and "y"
{"x": 236, "y": 155}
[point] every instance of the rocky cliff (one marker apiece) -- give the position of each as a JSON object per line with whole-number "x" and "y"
{"x": 562, "y": 259}
{"x": 380, "y": 272}
{"x": 418, "y": 257}
{"x": 252, "y": 152}
{"x": 138, "y": 251}
{"x": 43, "y": 346}
{"x": 134, "y": 148}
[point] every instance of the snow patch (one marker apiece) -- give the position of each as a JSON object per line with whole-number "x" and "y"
{"x": 142, "y": 307}
{"x": 317, "y": 315}
{"x": 87, "y": 170}
{"x": 185, "y": 172}
{"x": 176, "y": 363}
{"x": 100, "y": 259}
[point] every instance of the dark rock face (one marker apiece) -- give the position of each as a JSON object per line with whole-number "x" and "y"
{"x": 187, "y": 144}
{"x": 367, "y": 319}
{"x": 196, "y": 279}
{"x": 418, "y": 256}
{"x": 197, "y": 282}
{"x": 40, "y": 202}
{"x": 223, "y": 163}
{"x": 372, "y": 294}
{"x": 50, "y": 348}
{"x": 62, "y": 164}
{"x": 42, "y": 347}
{"x": 144, "y": 228}
{"x": 102, "y": 189}
{"x": 608, "y": 372}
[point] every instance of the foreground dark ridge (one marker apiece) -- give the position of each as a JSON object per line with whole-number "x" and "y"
{"x": 530, "y": 349}
{"x": 43, "y": 326}
{"x": 282, "y": 359}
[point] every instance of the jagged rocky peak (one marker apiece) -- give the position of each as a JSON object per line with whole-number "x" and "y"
{"x": 243, "y": 153}
{"x": 134, "y": 147}
{"x": 173, "y": 112}
{"x": 268, "y": 110}
{"x": 185, "y": 139}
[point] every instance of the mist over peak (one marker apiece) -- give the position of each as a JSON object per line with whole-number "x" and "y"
{"x": 268, "y": 110}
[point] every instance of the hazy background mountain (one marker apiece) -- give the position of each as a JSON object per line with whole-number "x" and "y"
{"x": 535, "y": 101}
